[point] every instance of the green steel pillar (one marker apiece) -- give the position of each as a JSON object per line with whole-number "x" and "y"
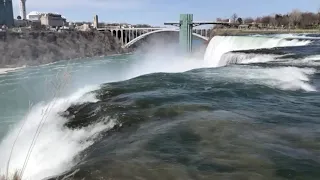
{"x": 185, "y": 35}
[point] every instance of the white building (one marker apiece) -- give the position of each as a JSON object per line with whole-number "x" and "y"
{"x": 47, "y": 19}
{"x": 23, "y": 9}
{"x": 52, "y": 20}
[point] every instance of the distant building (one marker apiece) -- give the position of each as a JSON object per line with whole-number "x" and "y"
{"x": 47, "y": 19}
{"x": 2, "y": 12}
{"x": 71, "y": 25}
{"x": 23, "y": 11}
{"x": 84, "y": 27}
{"x": 223, "y": 20}
{"x": 243, "y": 26}
{"x": 52, "y": 20}
{"x": 6, "y": 13}
{"x": 95, "y": 22}
{"x": 34, "y": 16}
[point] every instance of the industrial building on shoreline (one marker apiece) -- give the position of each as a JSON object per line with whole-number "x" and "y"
{"x": 47, "y": 19}
{"x": 35, "y": 20}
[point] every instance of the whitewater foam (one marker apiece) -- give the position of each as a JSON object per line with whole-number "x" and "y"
{"x": 313, "y": 61}
{"x": 220, "y": 45}
{"x": 285, "y": 78}
{"x": 245, "y": 58}
{"x": 295, "y": 36}
{"x": 56, "y": 146}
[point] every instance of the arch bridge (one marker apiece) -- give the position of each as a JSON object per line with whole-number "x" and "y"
{"x": 129, "y": 36}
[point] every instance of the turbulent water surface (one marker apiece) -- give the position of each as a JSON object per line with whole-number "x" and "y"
{"x": 248, "y": 109}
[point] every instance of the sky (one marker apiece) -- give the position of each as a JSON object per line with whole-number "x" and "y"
{"x": 156, "y": 12}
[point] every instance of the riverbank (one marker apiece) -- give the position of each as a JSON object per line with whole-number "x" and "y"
{"x": 35, "y": 48}
{"x": 229, "y": 32}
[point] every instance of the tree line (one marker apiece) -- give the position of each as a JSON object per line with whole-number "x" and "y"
{"x": 292, "y": 20}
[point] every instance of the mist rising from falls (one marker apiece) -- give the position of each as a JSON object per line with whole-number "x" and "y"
{"x": 219, "y": 45}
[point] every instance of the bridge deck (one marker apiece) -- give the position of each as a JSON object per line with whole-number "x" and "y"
{"x": 153, "y": 28}
{"x": 201, "y": 23}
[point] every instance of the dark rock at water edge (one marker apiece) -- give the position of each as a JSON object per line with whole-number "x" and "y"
{"x": 34, "y": 48}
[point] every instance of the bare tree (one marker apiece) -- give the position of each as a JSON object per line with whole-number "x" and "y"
{"x": 234, "y": 17}
{"x": 278, "y": 18}
{"x": 266, "y": 20}
{"x": 258, "y": 20}
{"x": 308, "y": 20}
{"x": 295, "y": 17}
{"x": 284, "y": 21}
{"x": 248, "y": 20}
{"x": 273, "y": 22}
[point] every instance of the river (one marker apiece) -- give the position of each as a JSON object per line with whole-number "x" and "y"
{"x": 248, "y": 108}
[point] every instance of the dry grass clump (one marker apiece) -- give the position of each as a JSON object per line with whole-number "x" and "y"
{"x": 62, "y": 79}
{"x": 15, "y": 176}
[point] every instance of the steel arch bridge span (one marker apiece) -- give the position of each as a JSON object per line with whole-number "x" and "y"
{"x": 159, "y": 31}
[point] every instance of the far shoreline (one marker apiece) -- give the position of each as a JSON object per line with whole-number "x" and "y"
{"x": 215, "y": 32}
{"x": 37, "y": 48}
{"x": 12, "y": 68}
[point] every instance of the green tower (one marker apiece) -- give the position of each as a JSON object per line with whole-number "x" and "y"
{"x": 185, "y": 35}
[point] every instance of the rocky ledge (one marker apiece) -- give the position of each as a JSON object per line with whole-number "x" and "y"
{"x": 34, "y": 48}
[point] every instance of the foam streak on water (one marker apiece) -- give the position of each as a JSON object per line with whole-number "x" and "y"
{"x": 6, "y": 70}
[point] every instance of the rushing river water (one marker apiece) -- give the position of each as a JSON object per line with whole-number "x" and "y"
{"x": 250, "y": 109}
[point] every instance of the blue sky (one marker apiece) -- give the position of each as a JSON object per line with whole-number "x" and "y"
{"x": 155, "y": 12}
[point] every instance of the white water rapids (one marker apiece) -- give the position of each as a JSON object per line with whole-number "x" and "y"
{"x": 219, "y": 45}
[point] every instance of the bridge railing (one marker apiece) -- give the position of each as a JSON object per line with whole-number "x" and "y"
{"x": 133, "y": 28}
